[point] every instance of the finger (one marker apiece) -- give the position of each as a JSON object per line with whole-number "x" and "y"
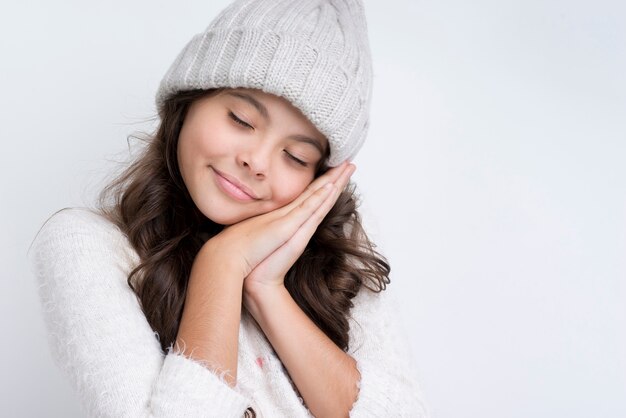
{"x": 344, "y": 177}
{"x": 290, "y": 222}
{"x": 306, "y": 223}
{"x": 340, "y": 184}
{"x": 273, "y": 234}
{"x": 303, "y": 235}
{"x": 264, "y": 234}
{"x": 328, "y": 177}
{"x": 289, "y": 252}
{"x": 331, "y": 176}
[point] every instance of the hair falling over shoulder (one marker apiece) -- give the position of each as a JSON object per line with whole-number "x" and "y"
{"x": 149, "y": 202}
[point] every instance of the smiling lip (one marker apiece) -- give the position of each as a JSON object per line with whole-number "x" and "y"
{"x": 233, "y": 187}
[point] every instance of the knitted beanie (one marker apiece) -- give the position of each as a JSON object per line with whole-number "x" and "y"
{"x": 314, "y": 53}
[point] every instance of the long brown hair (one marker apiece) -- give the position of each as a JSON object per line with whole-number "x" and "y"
{"x": 149, "y": 202}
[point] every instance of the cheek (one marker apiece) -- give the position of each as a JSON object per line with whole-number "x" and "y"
{"x": 187, "y": 147}
{"x": 182, "y": 157}
{"x": 216, "y": 141}
{"x": 287, "y": 191}
{"x": 205, "y": 142}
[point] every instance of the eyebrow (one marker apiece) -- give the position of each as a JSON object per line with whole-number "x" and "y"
{"x": 260, "y": 107}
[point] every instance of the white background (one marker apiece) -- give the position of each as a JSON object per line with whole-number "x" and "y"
{"x": 493, "y": 178}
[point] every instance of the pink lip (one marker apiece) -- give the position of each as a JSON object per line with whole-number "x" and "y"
{"x": 233, "y": 187}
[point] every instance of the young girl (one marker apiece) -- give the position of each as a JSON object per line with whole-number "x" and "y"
{"x": 225, "y": 271}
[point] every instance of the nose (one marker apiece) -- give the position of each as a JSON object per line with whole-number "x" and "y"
{"x": 255, "y": 159}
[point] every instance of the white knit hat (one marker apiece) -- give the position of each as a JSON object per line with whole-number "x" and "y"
{"x": 314, "y": 53}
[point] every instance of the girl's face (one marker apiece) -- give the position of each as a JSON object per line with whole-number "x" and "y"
{"x": 244, "y": 152}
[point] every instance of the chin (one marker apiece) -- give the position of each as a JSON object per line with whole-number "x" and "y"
{"x": 226, "y": 213}
{"x": 223, "y": 218}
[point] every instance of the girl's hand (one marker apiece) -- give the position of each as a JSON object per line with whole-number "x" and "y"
{"x": 270, "y": 273}
{"x": 243, "y": 246}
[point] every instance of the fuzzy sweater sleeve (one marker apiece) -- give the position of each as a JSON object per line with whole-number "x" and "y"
{"x": 388, "y": 386}
{"x": 99, "y": 336}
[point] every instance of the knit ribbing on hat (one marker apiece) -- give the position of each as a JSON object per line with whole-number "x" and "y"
{"x": 314, "y": 53}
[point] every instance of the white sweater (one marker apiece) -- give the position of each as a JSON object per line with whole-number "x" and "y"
{"x": 100, "y": 338}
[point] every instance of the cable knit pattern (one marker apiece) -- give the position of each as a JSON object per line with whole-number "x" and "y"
{"x": 103, "y": 343}
{"x": 314, "y": 53}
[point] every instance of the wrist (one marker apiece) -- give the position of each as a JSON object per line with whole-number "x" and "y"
{"x": 257, "y": 296}
{"x": 212, "y": 254}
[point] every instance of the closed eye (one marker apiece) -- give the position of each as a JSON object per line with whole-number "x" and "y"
{"x": 239, "y": 121}
{"x": 296, "y": 159}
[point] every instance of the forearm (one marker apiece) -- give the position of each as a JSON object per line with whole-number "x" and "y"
{"x": 209, "y": 327}
{"x": 325, "y": 375}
